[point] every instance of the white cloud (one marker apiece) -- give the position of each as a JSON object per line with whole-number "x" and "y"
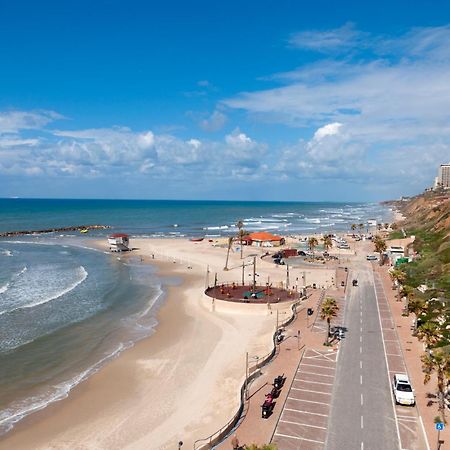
{"x": 360, "y": 110}
{"x": 240, "y": 140}
{"x": 344, "y": 37}
{"x": 327, "y": 130}
{"x": 214, "y": 122}
{"x": 13, "y": 121}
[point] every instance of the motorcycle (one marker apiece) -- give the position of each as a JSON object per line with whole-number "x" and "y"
{"x": 278, "y": 382}
{"x": 267, "y": 406}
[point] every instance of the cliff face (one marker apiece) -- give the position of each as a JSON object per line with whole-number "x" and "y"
{"x": 428, "y": 211}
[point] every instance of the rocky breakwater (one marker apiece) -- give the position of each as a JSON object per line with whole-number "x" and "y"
{"x": 54, "y": 230}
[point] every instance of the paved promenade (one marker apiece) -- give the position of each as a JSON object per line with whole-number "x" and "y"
{"x": 313, "y": 410}
{"x": 292, "y": 423}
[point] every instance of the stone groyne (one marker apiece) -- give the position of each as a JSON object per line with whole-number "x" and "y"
{"x": 54, "y": 230}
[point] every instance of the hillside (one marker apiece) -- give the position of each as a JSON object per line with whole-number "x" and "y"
{"x": 427, "y": 217}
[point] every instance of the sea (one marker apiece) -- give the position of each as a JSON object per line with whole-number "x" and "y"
{"x": 67, "y": 308}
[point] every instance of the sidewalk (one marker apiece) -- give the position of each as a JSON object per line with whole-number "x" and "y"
{"x": 253, "y": 429}
{"x": 412, "y": 350}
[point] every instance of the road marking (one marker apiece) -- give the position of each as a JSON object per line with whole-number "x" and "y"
{"x": 306, "y": 412}
{"x": 360, "y": 379}
{"x": 299, "y": 438}
{"x": 360, "y": 339}
{"x": 322, "y": 367}
{"x": 392, "y": 354}
{"x": 315, "y": 373}
{"x": 360, "y": 330}
{"x": 360, "y": 364}
{"x": 360, "y": 349}
{"x": 362, "y": 445}
{"x": 362, "y": 400}
{"x": 315, "y": 382}
{"x": 309, "y": 401}
{"x": 386, "y": 360}
{"x": 424, "y": 433}
{"x": 308, "y": 390}
{"x": 362, "y": 422}
{"x": 302, "y": 424}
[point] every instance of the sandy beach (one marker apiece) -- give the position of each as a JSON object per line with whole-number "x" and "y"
{"x": 182, "y": 383}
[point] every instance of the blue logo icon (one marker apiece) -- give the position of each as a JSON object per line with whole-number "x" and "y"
{"x": 439, "y": 426}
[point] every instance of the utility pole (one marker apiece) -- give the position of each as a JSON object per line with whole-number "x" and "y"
{"x": 254, "y": 274}
{"x": 207, "y": 277}
{"x": 243, "y": 270}
{"x": 246, "y": 375}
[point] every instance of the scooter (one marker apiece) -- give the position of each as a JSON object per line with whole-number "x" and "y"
{"x": 278, "y": 382}
{"x": 267, "y": 406}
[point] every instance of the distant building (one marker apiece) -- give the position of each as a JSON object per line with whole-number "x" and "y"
{"x": 263, "y": 239}
{"x": 444, "y": 176}
{"x": 118, "y": 242}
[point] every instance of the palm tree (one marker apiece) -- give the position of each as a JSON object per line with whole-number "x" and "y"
{"x": 400, "y": 277}
{"x": 361, "y": 227}
{"x": 327, "y": 242}
{"x": 328, "y": 311}
{"x": 230, "y": 243}
{"x": 438, "y": 361}
{"x": 241, "y": 233}
{"x": 429, "y": 332}
{"x": 353, "y": 226}
{"x": 312, "y": 244}
{"x": 380, "y": 247}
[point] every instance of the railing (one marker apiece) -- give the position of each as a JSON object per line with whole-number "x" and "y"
{"x": 218, "y": 436}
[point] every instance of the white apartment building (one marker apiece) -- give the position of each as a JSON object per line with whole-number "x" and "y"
{"x": 444, "y": 176}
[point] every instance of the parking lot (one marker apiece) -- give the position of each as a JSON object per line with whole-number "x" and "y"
{"x": 304, "y": 418}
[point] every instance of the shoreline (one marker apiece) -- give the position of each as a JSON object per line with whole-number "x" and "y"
{"x": 121, "y": 384}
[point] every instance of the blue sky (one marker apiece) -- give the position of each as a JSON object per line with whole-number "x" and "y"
{"x": 223, "y": 100}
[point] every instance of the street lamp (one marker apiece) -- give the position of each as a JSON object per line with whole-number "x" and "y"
{"x": 180, "y": 444}
{"x": 247, "y": 374}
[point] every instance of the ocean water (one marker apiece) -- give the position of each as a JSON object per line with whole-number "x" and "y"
{"x": 66, "y": 309}
{"x": 64, "y": 312}
{"x": 186, "y": 218}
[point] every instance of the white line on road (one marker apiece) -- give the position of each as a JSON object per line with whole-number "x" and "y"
{"x": 360, "y": 330}
{"x": 302, "y": 424}
{"x": 362, "y": 422}
{"x": 299, "y": 438}
{"x": 362, "y": 400}
{"x": 360, "y": 349}
{"x": 315, "y": 382}
{"x": 360, "y": 339}
{"x": 308, "y": 401}
{"x": 315, "y": 365}
{"x": 362, "y": 445}
{"x": 360, "y": 364}
{"x": 306, "y": 412}
{"x": 301, "y": 372}
{"x": 360, "y": 379}
{"x": 309, "y": 390}
{"x": 386, "y": 360}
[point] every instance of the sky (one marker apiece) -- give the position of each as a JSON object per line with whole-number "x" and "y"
{"x": 256, "y": 100}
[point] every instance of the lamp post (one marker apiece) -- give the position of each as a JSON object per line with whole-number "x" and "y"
{"x": 247, "y": 374}
{"x": 180, "y": 444}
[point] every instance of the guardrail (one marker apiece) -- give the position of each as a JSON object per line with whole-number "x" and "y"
{"x": 219, "y": 435}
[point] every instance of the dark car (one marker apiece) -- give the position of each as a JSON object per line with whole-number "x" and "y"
{"x": 355, "y": 282}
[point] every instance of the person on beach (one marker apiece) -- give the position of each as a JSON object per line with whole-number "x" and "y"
{"x": 235, "y": 442}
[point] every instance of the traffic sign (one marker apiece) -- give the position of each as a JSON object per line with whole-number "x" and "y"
{"x": 439, "y": 426}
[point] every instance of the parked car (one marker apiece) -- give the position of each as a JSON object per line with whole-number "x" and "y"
{"x": 355, "y": 283}
{"x": 371, "y": 258}
{"x": 403, "y": 392}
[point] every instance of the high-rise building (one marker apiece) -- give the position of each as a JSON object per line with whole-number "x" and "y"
{"x": 444, "y": 176}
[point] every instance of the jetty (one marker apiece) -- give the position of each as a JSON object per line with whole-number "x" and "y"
{"x": 53, "y": 230}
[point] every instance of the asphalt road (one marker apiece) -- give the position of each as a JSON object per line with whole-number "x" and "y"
{"x": 362, "y": 412}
